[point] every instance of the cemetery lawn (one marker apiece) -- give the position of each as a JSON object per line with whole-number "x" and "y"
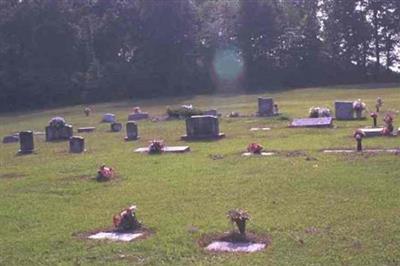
{"x": 319, "y": 209}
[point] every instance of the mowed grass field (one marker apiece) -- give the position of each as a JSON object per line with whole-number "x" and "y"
{"x": 352, "y": 201}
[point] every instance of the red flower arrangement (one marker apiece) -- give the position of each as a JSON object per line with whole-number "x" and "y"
{"x": 126, "y": 220}
{"x": 255, "y": 148}
{"x": 105, "y": 173}
{"x": 156, "y": 146}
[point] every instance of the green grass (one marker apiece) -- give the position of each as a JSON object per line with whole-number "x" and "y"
{"x": 354, "y": 200}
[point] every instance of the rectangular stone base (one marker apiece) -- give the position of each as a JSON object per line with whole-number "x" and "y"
{"x": 86, "y": 129}
{"x": 172, "y": 149}
{"x": 131, "y": 139}
{"x": 215, "y": 137}
{"x": 312, "y": 122}
{"x": 373, "y": 132}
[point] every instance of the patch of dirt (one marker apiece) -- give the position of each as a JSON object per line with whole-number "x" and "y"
{"x": 146, "y": 233}
{"x": 234, "y": 237}
{"x": 216, "y": 156}
{"x": 11, "y": 176}
{"x": 312, "y": 230}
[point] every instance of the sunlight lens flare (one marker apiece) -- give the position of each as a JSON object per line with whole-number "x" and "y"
{"x": 228, "y": 64}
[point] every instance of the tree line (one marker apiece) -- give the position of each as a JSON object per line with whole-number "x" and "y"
{"x": 55, "y": 52}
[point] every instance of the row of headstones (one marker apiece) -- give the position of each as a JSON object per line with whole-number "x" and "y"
{"x": 197, "y": 127}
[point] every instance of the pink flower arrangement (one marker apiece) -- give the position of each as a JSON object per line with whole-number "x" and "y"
{"x": 255, "y": 148}
{"x": 105, "y": 173}
{"x": 373, "y": 115}
{"x": 156, "y": 146}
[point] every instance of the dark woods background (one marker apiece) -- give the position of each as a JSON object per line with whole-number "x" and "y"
{"x": 55, "y": 52}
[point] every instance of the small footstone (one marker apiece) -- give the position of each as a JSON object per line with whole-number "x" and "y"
{"x": 86, "y": 129}
{"x": 115, "y": 236}
{"x": 11, "y": 139}
{"x": 235, "y": 247}
{"x": 260, "y": 129}
{"x": 364, "y": 151}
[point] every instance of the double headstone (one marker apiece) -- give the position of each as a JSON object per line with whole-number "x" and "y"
{"x": 131, "y": 131}
{"x": 26, "y": 142}
{"x": 202, "y": 127}
{"x": 58, "y": 132}
{"x": 344, "y": 110}
{"x": 265, "y": 107}
{"x": 116, "y": 127}
{"x": 76, "y": 144}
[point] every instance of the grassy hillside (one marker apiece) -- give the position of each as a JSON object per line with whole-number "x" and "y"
{"x": 353, "y": 200}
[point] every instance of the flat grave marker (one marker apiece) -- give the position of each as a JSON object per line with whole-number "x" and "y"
{"x": 312, "y": 122}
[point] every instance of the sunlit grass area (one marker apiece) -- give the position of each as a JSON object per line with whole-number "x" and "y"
{"x": 47, "y": 198}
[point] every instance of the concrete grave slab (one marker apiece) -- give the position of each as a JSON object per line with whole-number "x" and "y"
{"x": 260, "y": 129}
{"x": 169, "y": 149}
{"x": 235, "y": 247}
{"x": 115, "y": 236}
{"x": 261, "y": 154}
{"x": 312, "y": 122}
{"x": 373, "y": 132}
{"x": 363, "y": 151}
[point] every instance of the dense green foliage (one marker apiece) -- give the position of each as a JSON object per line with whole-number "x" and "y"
{"x": 56, "y": 52}
{"x": 319, "y": 209}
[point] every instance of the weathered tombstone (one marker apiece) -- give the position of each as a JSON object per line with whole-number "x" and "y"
{"x": 312, "y": 122}
{"x": 11, "y": 139}
{"x": 76, "y": 144}
{"x": 265, "y": 106}
{"x": 344, "y": 110}
{"x": 58, "y": 130}
{"x": 131, "y": 131}
{"x": 26, "y": 142}
{"x": 202, "y": 127}
{"x": 116, "y": 127}
{"x": 58, "y": 133}
{"x": 108, "y": 118}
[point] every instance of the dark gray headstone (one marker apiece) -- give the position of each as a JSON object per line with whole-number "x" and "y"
{"x": 312, "y": 122}
{"x": 116, "y": 127}
{"x": 137, "y": 116}
{"x": 131, "y": 131}
{"x": 11, "y": 139}
{"x": 26, "y": 142}
{"x": 265, "y": 106}
{"x": 202, "y": 127}
{"x": 344, "y": 110}
{"x": 76, "y": 144}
